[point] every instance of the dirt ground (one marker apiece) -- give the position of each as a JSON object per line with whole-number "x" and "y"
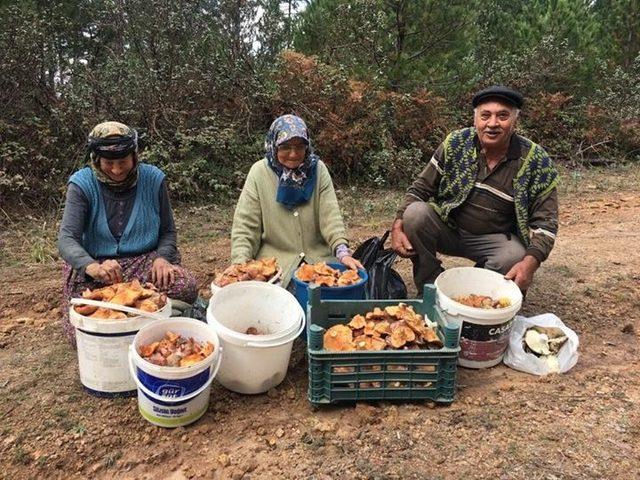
{"x": 503, "y": 424}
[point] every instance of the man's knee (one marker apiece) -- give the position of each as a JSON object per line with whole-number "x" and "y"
{"x": 506, "y": 256}
{"x": 419, "y": 217}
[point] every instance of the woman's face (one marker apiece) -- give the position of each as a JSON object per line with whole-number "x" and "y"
{"x": 117, "y": 169}
{"x": 292, "y": 152}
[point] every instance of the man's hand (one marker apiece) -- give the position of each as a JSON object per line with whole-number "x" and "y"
{"x": 399, "y": 241}
{"x": 352, "y": 263}
{"x": 163, "y": 274}
{"x": 522, "y": 272}
{"x": 108, "y": 272}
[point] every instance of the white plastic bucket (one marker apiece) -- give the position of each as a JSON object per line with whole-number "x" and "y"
{"x": 254, "y": 363}
{"x": 174, "y": 396}
{"x": 484, "y": 335}
{"x": 103, "y": 351}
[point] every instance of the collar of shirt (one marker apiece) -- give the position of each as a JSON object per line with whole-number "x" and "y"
{"x": 513, "y": 152}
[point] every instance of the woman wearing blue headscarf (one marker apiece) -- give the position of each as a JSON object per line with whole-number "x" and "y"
{"x": 288, "y": 207}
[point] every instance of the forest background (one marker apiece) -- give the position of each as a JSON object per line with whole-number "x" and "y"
{"x": 379, "y": 82}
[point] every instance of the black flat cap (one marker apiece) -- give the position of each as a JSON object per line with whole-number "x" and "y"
{"x": 510, "y": 96}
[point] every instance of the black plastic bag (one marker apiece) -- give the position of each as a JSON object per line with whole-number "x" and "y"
{"x": 384, "y": 281}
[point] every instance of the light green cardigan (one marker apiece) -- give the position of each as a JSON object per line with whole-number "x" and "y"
{"x": 263, "y": 227}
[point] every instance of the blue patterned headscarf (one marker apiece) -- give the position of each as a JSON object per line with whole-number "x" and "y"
{"x": 295, "y": 186}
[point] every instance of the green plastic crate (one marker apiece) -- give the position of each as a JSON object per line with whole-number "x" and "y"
{"x": 383, "y": 375}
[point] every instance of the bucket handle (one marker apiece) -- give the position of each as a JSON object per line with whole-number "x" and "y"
{"x": 116, "y": 306}
{"x": 448, "y": 312}
{"x": 160, "y": 398}
{"x": 277, "y": 343}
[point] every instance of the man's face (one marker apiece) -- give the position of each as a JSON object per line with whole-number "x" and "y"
{"x": 495, "y": 122}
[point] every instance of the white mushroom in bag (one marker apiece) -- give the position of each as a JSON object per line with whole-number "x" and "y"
{"x": 555, "y": 335}
{"x": 537, "y": 342}
{"x": 545, "y": 343}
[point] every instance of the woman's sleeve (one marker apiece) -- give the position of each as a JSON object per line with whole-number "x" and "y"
{"x": 331, "y": 224}
{"x": 168, "y": 241}
{"x": 74, "y": 219}
{"x": 246, "y": 231}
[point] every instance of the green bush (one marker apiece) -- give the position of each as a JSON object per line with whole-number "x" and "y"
{"x": 207, "y": 162}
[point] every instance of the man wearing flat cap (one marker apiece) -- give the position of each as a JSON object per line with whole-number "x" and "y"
{"x": 487, "y": 194}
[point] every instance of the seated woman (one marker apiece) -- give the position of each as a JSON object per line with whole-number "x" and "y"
{"x": 118, "y": 224}
{"x": 288, "y": 207}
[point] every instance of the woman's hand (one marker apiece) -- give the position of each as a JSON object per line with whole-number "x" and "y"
{"x": 163, "y": 274}
{"x": 108, "y": 272}
{"x": 352, "y": 263}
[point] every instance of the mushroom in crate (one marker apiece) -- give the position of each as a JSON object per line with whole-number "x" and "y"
{"x": 392, "y": 328}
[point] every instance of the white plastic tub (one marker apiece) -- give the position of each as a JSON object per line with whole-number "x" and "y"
{"x": 174, "y": 396}
{"x": 103, "y": 351}
{"x": 254, "y": 363}
{"x": 484, "y": 335}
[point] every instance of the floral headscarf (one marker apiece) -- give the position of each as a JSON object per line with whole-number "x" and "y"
{"x": 113, "y": 140}
{"x": 295, "y": 185}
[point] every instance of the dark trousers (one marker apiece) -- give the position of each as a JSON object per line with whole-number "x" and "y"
{"x": 428, "y": 235}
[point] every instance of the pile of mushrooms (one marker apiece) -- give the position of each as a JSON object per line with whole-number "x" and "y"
{"x": 394, "y": 328}
{"x": 261, "y": 270}
{"x": 322, "y": 274}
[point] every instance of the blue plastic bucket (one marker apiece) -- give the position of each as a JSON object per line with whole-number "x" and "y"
{"x": 348, "y": 292}
{"x": 174, "y": 396}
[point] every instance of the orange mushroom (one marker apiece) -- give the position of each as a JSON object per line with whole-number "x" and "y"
{"x": 321, "y": 268}
{"x": 349, "y": 277}
{"x": 148, "y": 350}
{"x": 327, "y": 280}
{"x": 357, "y": 322}
{"x": 366, "y": 342}
{"x": 382, "y": 328}
{"x": 191, "y": 359}
{"x": 401, "y": 336}
{"x": 85, "y": 310}
{"x": 376, "y": 314}
{"x": 338, "y": 338}
{"x": 370, "y": 328}
{"x": 147, "y": 305}
{"x": 306, "y": 273}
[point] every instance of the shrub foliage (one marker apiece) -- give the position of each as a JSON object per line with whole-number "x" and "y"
{"x": 379, "y": 83}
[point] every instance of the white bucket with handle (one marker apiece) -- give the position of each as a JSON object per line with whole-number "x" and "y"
{"x": 174, "y": 396}
{"x": 103, "y": 346}
{"x": 484, "y": 335}
{"x": 254, "y": 363}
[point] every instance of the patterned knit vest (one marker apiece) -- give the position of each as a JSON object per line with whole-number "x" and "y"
{"x": 536, "y": 177}
{"x": 142, "y": 232}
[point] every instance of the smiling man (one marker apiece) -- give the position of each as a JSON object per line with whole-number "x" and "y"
{"x": 487, "y": 194}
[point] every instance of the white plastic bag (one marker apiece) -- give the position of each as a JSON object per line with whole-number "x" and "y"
{"x": 517, "y": 358}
